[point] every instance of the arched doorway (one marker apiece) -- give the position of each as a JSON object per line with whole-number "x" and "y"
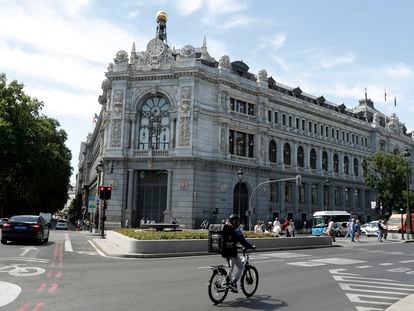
{"x": 240, "y": 203}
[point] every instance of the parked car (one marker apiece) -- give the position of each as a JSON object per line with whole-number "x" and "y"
{"x": 2, "y": 221}
{"x": 340, "y": 228}
{"x": 25, "y": 227}
{"x": 62, "y": 224}
{"x": 370, "y": 228}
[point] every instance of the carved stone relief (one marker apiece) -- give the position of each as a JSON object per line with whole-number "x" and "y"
{"x": 116, "y": 133}
{"x": 223, "y": 100}
{"x": 185, "y": 117}
{"x": 121, "y": 57}
{"x": 224, "y": 62}
{"x": 118, "y": 102}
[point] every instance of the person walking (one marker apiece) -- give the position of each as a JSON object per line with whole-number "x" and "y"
{"x": 384, "y": 229}
{"x": 348, "y": 229}
{"x": 380, "y": 231}
{"x": 357, "y": 230}
{"x": 353, "y": 230}
{"x": 291, "y": 228}
{"x": 330, "y": 230}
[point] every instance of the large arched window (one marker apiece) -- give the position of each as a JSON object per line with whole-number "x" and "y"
{"x": 301, "y": 158}
{"x": 286, "y": 154}
{"x": 346, "y": 165}
{"x": 356, "y": 167}
{"x": 154, "y": 124}
{"x": 272, "y": 151}
{"x": 325, "y": 161}
{"x": 335, "y": 163}
{"x": 312, "y": 159}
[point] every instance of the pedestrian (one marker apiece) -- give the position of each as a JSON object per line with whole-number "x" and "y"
{"x": 348, "y": 229}
{"x": 380, "y": 231}
{"x": 142, "y": 222}
{"x": 357, "y": 230}
{"x": 126, "y": 225}
{"x": 285, "y": 227}
{"x": 258, "y": 227}
{"x": 353, "y": 230}
{"x": 291, "y": 228}
{"x": 385, "y": 229}
{"x": 330, "y": 230}
{"x": 304, "y": 226}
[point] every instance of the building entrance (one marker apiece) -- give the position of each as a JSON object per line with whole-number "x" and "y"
{"x": 151, "y": 196}
{"x": 240, "y": 202}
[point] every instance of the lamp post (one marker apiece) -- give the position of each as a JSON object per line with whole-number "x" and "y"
{"x": 298, "y": 180}
{"x": 402, "y": 221}
{"x": 101, "y": 221}
{"x": 407, "y": 155}
{"x": 240, "y": 176}
{"x": 326, "y": 194}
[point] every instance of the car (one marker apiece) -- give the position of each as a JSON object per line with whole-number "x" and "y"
{"x": 25, "y": 227}
{"x": 370, "y": 229}
{"x": 62, "y": 224}
{"x": 340, "y": 229}
{"x": 2, "y": 221}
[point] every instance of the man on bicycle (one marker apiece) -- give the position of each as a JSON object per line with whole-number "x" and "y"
{"x": 231, "y": 236}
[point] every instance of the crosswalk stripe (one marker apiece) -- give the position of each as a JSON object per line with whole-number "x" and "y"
{"x": 351, "y": 287}
{"x": 376, "y": 299}
{"x": 368, "y": 309}
{"x": 68, "y": 243}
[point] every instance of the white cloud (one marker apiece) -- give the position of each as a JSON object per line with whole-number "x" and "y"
{"x": 186, "y": 7}
{"x": 328, "y": 59}
{"x": 400, "y": 70}
{"x": 275, "y": 41}
{"x": 73, "y": 6}
{"x": 236, "y": 21}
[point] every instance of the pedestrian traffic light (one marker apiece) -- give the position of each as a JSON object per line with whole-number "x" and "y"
{"x": 105, "y": 205}
{"x": 105, "y": 192}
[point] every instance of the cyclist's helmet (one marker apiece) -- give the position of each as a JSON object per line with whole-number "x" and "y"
{"x": 234, "y": 219}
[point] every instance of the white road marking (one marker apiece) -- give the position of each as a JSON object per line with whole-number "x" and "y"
{"x": 358, "y": 279}
{"x": 363, "y": 267}
{"x": 338, "y": 261}
{"x": 375, "y": 299}
{"x": 406, "y": 261}
{"x": 359, "y": 288}
{"x": 287, "y": 255}
{"x": 386, "y": 264}
{"x": 28, "y": 259}
{"x": 368, "y": 309}
{"x": 306, "y": 264}
{"x": 9, "y": 292}
{"x": 26, "y": 250}
{"x": 341, "y": 271}
{"x": 68, "y": 243}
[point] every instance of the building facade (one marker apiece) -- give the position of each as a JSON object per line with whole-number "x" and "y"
{"x": 181, "y": 135}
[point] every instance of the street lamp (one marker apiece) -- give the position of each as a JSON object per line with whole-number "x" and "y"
{"x": 326, "y": 193}
{"x": 240, "y": 176}
{"x": 100, "y": 169}
{"x": 407, "y": 155}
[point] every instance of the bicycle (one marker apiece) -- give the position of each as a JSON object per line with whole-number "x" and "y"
{"x": 218, "y": 286}
{"x": 16, "y": 270}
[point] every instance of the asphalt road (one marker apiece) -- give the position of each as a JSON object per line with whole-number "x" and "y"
{"x": 69, "y": 274}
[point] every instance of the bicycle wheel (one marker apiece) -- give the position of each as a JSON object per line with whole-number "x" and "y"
{"x": 249, "y": 281}
{"x": 217, "y": 289}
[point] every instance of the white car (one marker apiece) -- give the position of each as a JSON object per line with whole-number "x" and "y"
{"x": 62, "y": 224}
{"x": 370, "y": 229}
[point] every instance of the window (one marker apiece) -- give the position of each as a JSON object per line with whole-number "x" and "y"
{"x": 353, "y": 138}
{"x": 288, "y": 192}
{"x": 312, "y": 159}
{"x": 357, "y": 140}
{"x": 273, "y": 192}
{"x": 333, "y": 133}
{"x": 325, "y": 161}
{"x": 347, "y": 137}
{"x": 269, "y": 115}
{"x": 335, "y": 163}
{"x": 272, "y": 151}
{"x": 303, "y": 125}
{"x": 337, "y": 134}
{"x": 326, "y": 131}
{"x": 356, "y": 167}
{"x": 241, "y": 107}
{"x": 250, "y": 110}
{"x": 283, "y": 119}
{"x": 315, "y": 128}
{"x": 241, "y": 144}
{"x": 346, "y": 165}
{"x": 314, "y": 194}
{"x": 343, "y": 136}
{"x": 290, "y": 121}
{"x": 321, "y": 130}
{"x": 286, "y": 154}
{"x": 310, "y": 127}
{"x": 336, "y": 196}
{"x": 297, "y": 123}
{"x": 154, "y": 124}
{"x": 301, "y": 157}
{"x": 347, "y": 199}
{"x": 276, "y": 117}
{"x": 301, "y": 193}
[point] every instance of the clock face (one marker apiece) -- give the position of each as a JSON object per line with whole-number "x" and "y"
{"x": 155, "y": 47}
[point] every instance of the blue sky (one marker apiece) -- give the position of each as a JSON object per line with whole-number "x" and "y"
{"x": 60, "y": 49}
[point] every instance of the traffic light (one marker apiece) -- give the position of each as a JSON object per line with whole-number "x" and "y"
{"x": 105, "y": 192}
{"x": 105, "y": 206}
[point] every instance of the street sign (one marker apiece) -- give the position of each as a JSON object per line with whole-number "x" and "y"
{"x": 373, "y": 205}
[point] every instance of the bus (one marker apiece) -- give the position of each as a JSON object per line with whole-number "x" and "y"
{"x": 320, "y": 220}
{"x": 394, "y": 223}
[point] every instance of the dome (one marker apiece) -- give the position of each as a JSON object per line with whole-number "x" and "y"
{"x": 162, "y": 16}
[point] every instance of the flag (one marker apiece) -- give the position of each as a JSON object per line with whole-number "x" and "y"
{"x": 385, "y": 94}
{"x": 395, "y": 101}
{"x": 95, "y": 118}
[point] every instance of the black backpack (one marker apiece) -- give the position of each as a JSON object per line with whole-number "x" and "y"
{"x": 220, "y": 240}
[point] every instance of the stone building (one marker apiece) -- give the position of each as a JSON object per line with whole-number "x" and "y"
{"x": 181, "y": 135}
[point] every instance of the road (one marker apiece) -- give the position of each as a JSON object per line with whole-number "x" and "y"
{"x": 68, "y": 273}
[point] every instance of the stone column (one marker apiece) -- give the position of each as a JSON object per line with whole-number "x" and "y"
{"x": 130, "y": 199}
{"x": 168, "y": 213}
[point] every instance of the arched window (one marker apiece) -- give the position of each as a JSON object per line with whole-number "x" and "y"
{"x": 312, "y": 159}
{"x": 336, "y": 163}
{"x": 356, "y": 168}
{"x": 286, "y": 154}
{"x": 272, "y": 151}
{"x": 346, "y": 165}
{"x": 154, "y": 124}
{"x": 325, "y": 161}
{"x": 301, "y": 162}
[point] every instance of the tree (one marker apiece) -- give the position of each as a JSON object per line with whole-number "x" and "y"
{"x": 387, "y": 174}
{"x": 34, "y": 161}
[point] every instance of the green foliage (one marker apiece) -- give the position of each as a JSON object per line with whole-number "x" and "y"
{"x": 387, "y": 173}
{"x": 177, "y": 235}
{"x": 34, "y": 161}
